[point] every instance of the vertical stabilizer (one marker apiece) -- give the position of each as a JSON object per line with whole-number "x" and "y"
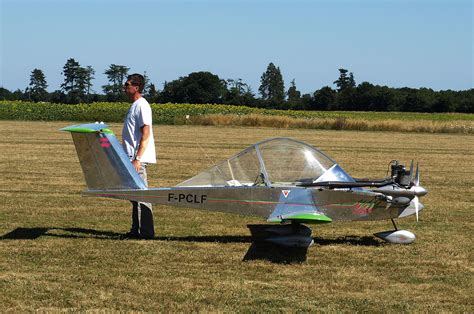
{"x": 104, "y": 163}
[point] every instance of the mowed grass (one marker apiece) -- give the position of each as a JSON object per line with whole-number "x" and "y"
{"x": 61, "y": 251}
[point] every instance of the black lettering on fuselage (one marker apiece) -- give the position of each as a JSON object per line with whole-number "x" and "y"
{"x": 187, "y": 198}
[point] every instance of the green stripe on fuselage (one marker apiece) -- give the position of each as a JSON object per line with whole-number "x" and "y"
{"x": 309, "y": 218}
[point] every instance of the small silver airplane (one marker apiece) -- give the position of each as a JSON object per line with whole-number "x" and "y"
{"x": 283, "y": 180}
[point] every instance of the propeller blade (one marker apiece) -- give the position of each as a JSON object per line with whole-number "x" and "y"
{"x": 417, "y": 205}
{"x": 417, "y": 176}
{"x": 411, "y": 171}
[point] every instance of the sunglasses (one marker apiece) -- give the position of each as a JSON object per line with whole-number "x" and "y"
{"x": 127, "y": 84}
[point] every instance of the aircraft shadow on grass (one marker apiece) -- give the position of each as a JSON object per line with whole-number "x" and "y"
{"x": 259, "y": 248}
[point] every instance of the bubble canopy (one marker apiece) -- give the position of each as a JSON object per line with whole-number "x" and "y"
{"x": 273, "y": 162}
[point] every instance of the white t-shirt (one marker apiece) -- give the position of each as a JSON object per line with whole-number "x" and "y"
{"x": 138, "y": 115}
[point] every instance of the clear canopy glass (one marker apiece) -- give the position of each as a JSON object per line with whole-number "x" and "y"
{"x": 274, "y": 162}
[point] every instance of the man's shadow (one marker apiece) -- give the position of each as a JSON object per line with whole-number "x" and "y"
{"x": 259, "y": 248}
{"x": 34, "y": 233}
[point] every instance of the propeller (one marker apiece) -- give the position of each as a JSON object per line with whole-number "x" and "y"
{"x": 408, "y": 193}
{"x": 416, "y": 183}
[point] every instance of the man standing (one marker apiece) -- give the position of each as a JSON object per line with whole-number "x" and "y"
{"x": 139, "y": 145}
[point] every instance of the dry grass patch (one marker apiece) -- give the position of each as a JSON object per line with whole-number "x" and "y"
{"x": 340, "y": 123}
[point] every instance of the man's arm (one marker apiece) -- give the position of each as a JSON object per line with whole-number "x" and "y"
{"x": 142, "y": 146}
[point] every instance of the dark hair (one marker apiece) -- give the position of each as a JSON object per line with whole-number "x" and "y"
{"x": 137, "y": 80}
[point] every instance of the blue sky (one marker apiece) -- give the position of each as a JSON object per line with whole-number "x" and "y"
{"x": 395, "y": 43}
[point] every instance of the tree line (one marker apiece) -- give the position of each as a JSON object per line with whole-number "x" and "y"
{"x": 206, "y": 87}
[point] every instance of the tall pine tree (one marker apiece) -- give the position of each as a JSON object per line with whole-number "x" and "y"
{"x": 70, "y": 70}
{"x": 77, "y": 81}
{"x": 37, "y": 88}
{"x": 116, "y": 74}
{"x": 272, "y": 87}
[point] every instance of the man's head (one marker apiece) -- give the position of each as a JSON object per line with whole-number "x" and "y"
{"x": 134, "y": 85}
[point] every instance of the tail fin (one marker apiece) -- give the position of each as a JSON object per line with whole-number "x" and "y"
{"x": 103, "y": 160}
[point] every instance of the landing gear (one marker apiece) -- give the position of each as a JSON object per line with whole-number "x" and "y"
{"x": 396, "y": 236}
{"x": 394, "y": 225}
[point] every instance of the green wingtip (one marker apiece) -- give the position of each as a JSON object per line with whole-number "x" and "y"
{"x": 88, "y": 128}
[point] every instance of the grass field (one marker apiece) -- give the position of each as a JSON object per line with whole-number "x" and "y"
{"x": 60, "y": 251}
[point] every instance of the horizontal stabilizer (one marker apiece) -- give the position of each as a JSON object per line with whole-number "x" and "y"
{"x": 88, "y": 128}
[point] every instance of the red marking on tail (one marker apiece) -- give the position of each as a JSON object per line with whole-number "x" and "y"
{"x": 104, "y": 142}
